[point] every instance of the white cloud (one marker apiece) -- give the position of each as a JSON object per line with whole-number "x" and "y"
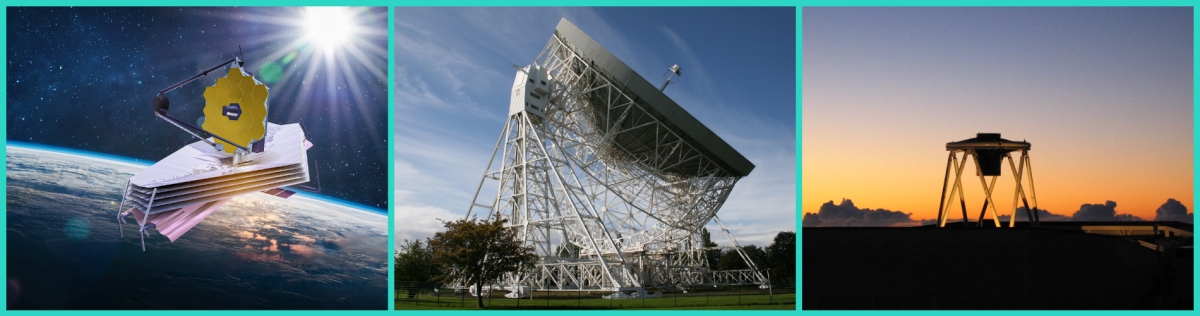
{"x": 746, "y": 234}
{"x": 695, "y": 69}
{"x": 420, "y": 222}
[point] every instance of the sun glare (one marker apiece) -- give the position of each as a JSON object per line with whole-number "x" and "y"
{"x": 341, "y": 48}
{"x": 328, "y": 26}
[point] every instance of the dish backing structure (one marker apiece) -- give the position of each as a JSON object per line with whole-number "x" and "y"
{"x": 608, "y": 179}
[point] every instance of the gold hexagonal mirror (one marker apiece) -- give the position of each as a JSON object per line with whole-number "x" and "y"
{"x": 236, "y": 109}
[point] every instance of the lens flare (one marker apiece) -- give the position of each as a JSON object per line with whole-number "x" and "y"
{"x": 77, "y": 228}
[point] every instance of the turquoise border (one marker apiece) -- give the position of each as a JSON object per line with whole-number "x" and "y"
{"x": 4, "y": 143}
{"x": 800, "y": 143}
{"x": 391, "y": 114}
{"x": 391, "y": 71}
{"x": 799, "y": 156}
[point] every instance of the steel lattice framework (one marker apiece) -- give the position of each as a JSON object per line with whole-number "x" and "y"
{"x": 609, "y": 194}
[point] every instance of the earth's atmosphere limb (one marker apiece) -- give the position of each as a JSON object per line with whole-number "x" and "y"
{"x": 256, "y": 252}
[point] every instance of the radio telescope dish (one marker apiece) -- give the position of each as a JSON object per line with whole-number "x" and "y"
{"x": 607, "y": 178}
{"x": 236, "y": 109}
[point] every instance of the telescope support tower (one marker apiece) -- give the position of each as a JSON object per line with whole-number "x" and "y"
{"x": 609, "y": 194}
{"x": 956, "y": 189}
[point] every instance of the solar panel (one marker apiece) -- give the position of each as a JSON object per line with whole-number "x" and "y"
{"x": 236, "y": 109}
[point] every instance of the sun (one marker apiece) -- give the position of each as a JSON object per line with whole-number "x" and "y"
{"x": 341, "y": 48}
{"x": 329, "y": 27}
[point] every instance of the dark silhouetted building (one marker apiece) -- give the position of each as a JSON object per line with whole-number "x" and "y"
{"x": 1060, "y": 265}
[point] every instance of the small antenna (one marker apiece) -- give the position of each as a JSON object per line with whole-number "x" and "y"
{"x": 668, "y": 78}
{"x": 242, "y": 60}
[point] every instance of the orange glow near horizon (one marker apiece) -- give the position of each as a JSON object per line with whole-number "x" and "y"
{"x": 913, "y": 183}
{"x": 1107, "y": 105}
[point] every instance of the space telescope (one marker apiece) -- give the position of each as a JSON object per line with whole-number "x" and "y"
{"x": 239, "y": 152}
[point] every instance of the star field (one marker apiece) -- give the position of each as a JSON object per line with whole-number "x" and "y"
{"x": 83, "y": 78}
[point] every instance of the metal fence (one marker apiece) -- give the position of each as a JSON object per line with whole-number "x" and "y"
{"x": 428, "y": 295}
{"x": 408, "y": 291}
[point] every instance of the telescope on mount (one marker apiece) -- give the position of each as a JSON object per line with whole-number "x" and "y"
{"x": 989, "y": 151}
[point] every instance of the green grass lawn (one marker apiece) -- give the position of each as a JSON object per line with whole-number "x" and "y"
{"x": 582, "y": 300}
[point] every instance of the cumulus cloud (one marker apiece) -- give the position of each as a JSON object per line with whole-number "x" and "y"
{"x": 1043, "y": 215}
{"x": 1086, "y": 212}
{"x": 1173, "y": 211}
{"x": 846, "y": 214}
{"x": 1102, "y": 212}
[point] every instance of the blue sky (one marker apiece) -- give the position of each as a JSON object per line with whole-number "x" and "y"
{"x": 454, "y": 74}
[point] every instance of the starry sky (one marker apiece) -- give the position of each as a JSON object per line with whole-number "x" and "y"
{"x": 1104, "y": 95}
{"x": 83, "y": 78}
{"x": 454, "y": 74}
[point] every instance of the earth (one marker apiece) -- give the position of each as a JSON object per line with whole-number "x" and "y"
{"x": 256, "y": 252}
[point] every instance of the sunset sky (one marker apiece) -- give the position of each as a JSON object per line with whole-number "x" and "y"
{"x": 1105, "y": 96}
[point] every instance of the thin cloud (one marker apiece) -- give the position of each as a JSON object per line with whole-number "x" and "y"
{"x": 420, "y": 222}
{"x": 452, "y": 73}
{"x": 1043, "y": 215}
{"x": 765, "y": 201}
{"x": 695, "y": 68}
{"x": 745, "y": 233}
{"x": 438, "y": 167}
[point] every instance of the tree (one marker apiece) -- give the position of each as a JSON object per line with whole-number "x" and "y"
{"x": 414, "y": 262}
{"x": 711, "y": 256}
{"x": 757, "y": 255}
{"x": 476, "y": 252}
{"x": 732, "y": 260}
{"x": 782, "y": 254}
